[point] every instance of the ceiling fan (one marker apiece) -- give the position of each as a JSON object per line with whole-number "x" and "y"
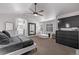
{"x": 35, "y": 12}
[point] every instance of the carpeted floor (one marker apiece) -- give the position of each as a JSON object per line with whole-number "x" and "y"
{"x": 46, "y": 46}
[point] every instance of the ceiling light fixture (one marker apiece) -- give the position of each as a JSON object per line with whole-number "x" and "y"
{"x": 35, "y": 15}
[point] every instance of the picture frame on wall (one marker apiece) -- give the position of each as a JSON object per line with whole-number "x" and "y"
{"x": 31, "y": 28}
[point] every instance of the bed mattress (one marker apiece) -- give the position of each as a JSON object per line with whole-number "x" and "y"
{"x": 16, "y": 43}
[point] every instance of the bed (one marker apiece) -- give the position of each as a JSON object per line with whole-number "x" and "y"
{"x": 17, "y": 45}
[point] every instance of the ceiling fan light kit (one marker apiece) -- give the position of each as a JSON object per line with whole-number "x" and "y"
{"x": 35, "y": 15}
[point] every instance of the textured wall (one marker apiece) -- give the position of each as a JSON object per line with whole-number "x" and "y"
{"x": 73, "y": 21}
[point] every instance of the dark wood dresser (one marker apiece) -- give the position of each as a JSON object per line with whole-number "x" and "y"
{"x": 68, "y": 38}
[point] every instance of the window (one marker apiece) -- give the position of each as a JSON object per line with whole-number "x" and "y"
{"x": 20, "y": 26}
{"x": 9, "y": 26}
{"x": 49, "y": 27}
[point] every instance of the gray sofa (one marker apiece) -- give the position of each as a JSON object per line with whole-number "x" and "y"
{"x": 11, "y": 44}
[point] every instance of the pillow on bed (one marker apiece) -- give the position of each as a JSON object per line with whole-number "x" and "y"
{"x": 7, "y": 33}
{"x": 4, "y": 39}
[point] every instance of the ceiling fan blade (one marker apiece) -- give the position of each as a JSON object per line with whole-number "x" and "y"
{"x": 41, "y": 11}
{"x": 40, "y": 14}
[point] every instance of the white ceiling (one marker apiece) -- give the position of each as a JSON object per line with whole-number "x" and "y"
{"x": 57, "y": 9}
{"x": 50, "y": 9}
{"x": 14, "y": 7}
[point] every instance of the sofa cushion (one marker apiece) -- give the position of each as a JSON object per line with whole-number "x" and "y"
{"x": 7, "y": 33}
{"x": 4, "y": 39}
